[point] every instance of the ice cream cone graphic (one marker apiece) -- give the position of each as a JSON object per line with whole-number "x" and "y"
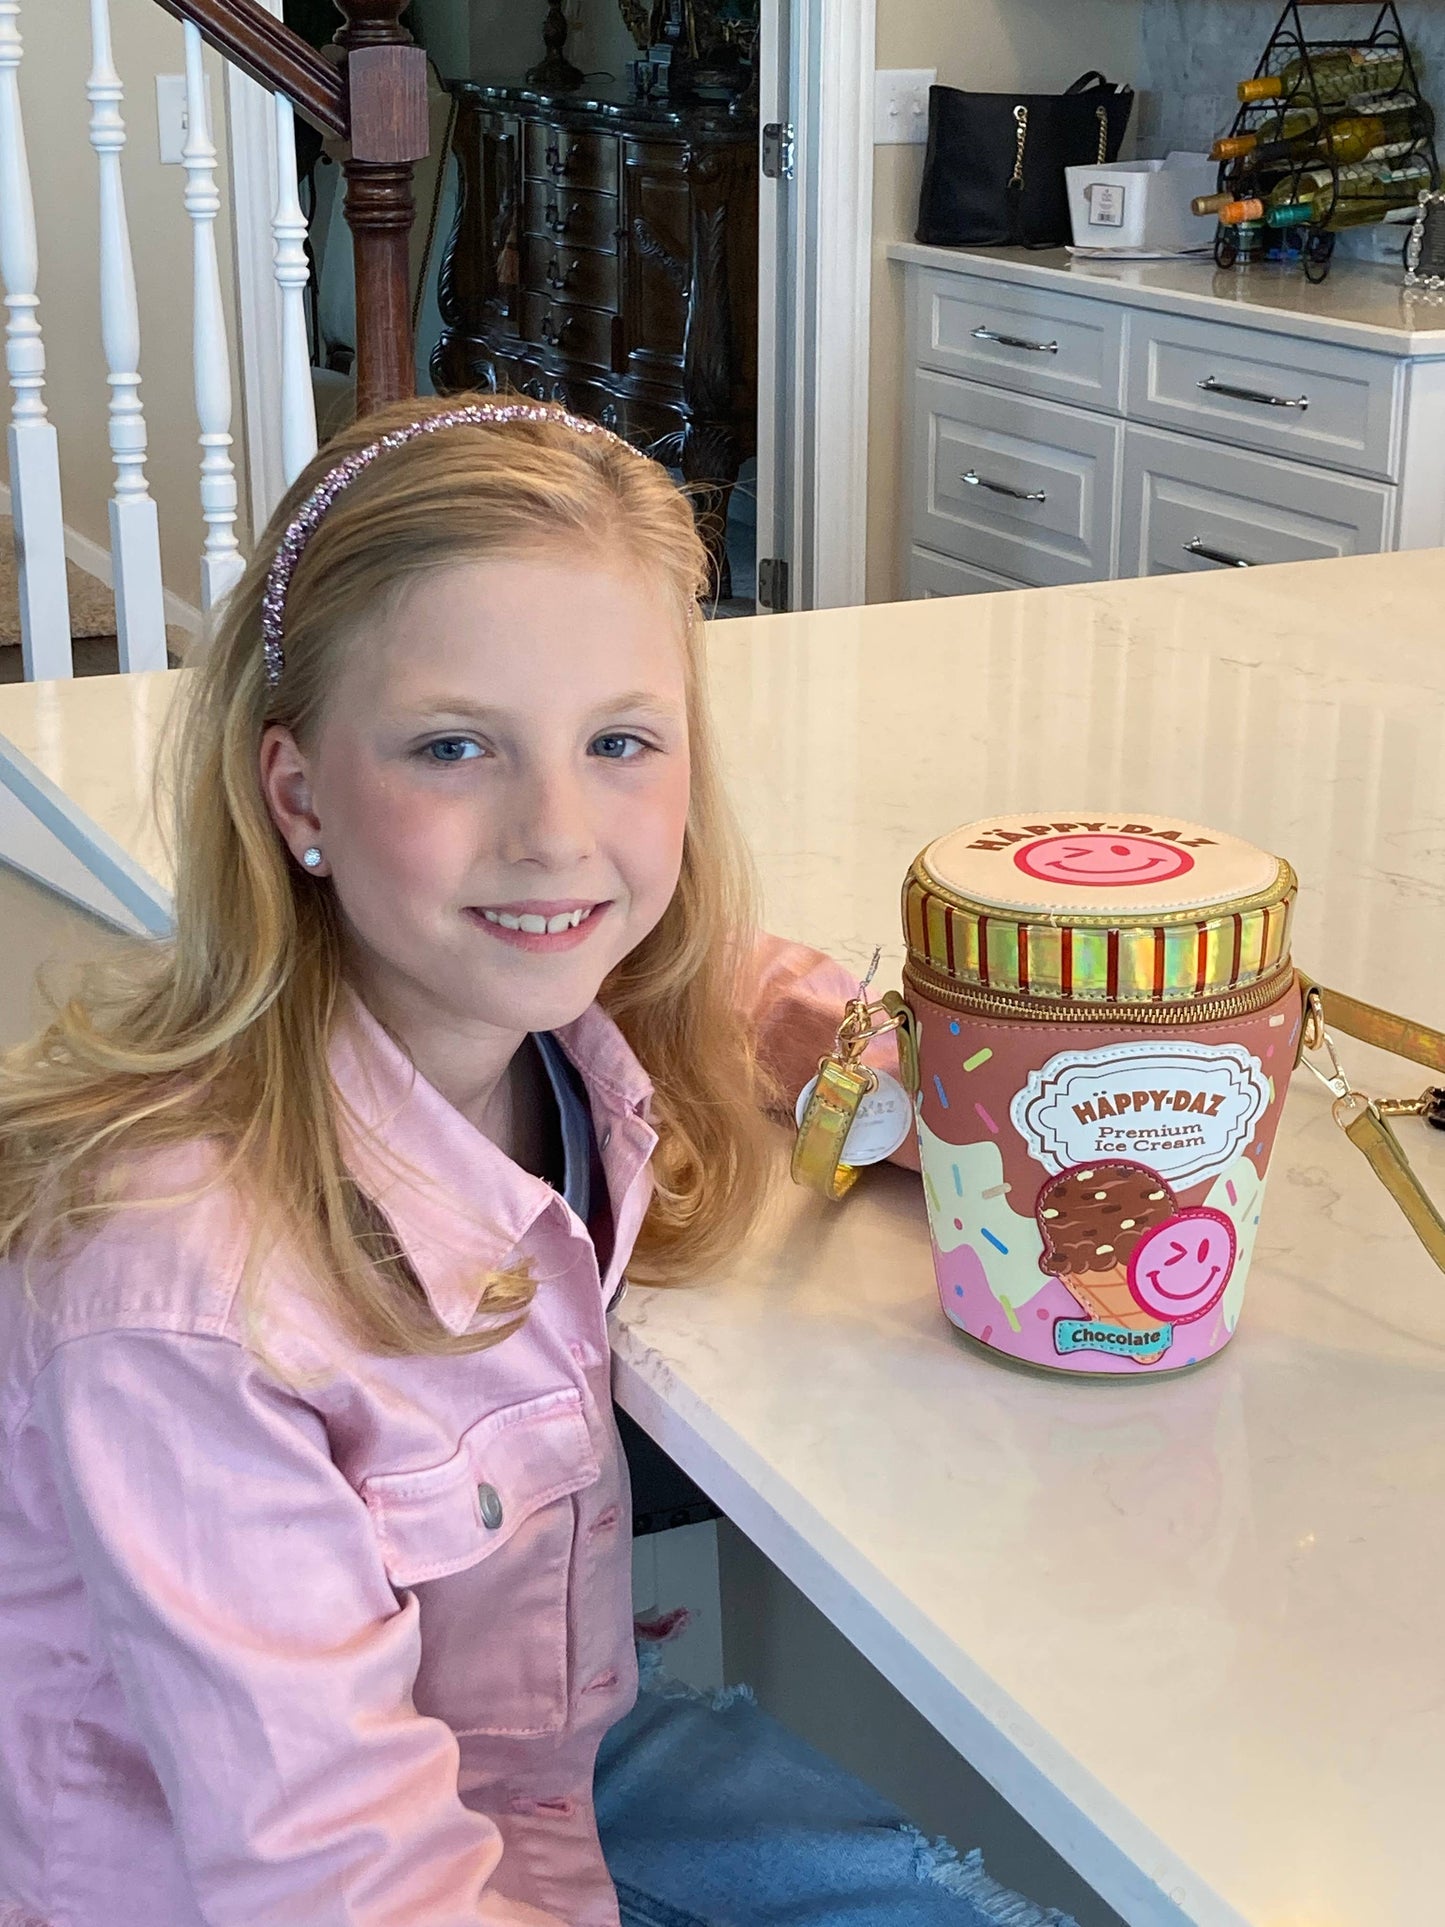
{"x": 1106, "y": 1295}
{"x": 1091, "y": 1218}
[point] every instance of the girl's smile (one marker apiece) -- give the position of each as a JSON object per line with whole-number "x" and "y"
{"x": 542, "y": 927}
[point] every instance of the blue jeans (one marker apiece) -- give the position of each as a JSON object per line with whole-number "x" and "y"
{"x": 711, "y": 1814}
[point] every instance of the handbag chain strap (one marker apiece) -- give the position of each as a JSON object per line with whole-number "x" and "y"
{"x": 1021, "y": 123}
{"x": 1365, "y": 1120}
{"x": 1021, "y": 120}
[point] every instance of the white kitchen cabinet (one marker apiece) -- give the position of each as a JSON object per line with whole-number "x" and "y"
{"x": 1071, "y": 421}
{"x": 1023, "y": 488}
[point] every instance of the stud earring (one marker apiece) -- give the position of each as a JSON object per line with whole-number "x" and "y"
{"x": 311, "y": 858}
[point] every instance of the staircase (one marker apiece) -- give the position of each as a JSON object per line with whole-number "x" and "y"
{"x": 369, "y": 90}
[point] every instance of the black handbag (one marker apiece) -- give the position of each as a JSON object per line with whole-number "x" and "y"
{"x": 993, "y": 174}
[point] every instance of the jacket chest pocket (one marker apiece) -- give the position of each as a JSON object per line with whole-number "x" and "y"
{"x": 485, "y": 1541}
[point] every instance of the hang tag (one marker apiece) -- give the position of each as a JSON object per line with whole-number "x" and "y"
{"x": 884, "y": 1119}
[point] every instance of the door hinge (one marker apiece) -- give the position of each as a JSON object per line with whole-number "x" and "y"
{"x": 773, "y": 585}
{"x": 779, "y": 150}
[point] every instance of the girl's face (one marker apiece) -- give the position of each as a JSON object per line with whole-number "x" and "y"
{"x": 499, "y": 790}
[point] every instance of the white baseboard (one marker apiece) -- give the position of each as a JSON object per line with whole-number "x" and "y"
{"x": 95, "y": 560}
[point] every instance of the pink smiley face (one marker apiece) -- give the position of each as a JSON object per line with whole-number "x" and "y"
{"x": 1102, "y": 859}
{"x": 1178, "y": 1271}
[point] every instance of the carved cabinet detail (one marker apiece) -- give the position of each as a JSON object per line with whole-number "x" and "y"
{"x": 605, "y": 256}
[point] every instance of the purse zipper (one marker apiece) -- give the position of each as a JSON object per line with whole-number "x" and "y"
{"x": 1064, "y": 1010}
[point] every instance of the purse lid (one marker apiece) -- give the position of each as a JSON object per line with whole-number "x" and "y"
{"x": 1106, "y": 908}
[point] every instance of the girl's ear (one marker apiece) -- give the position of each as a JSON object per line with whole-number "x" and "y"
{"x": 286, "y": 786}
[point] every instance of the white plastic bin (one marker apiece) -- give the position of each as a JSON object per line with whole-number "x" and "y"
{"x": 1141, "y": 204}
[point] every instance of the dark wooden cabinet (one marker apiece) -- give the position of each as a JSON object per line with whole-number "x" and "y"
{"x": 605, "y": 255}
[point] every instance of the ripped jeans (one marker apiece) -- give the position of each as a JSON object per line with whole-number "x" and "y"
{"x": 711, "y": 1814}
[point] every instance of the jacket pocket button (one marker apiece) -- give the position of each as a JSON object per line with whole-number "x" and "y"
{"x": 490, "y": 1503}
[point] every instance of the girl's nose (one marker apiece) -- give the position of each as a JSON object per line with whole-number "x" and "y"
{"x": 550, "y": 823}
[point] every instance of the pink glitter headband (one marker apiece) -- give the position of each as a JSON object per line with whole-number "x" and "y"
{"x": 303, "y": 527}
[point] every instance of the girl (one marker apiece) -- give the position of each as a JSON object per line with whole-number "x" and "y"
{"x": 314, "y": 1529}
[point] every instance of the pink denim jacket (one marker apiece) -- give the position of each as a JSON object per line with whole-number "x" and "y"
{"x": 335, "y": 1645}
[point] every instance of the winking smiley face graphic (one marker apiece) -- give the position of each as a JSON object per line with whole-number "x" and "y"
{"x": 1178, "y": 1272}
{"x": 1102, "y": 859}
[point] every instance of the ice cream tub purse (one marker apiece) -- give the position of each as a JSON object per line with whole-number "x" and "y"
{"x": 1105, "y": 1017}
{"x": 1098, "y": 1025}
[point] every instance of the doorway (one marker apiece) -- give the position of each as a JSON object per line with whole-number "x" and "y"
{"x": 797, "y": 497}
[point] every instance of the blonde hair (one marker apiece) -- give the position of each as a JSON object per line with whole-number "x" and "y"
{"x": 221, "y": 1031}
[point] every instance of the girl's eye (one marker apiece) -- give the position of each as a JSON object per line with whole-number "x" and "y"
{"x": 452, "y": 749}
{"x": 617, "y": 746}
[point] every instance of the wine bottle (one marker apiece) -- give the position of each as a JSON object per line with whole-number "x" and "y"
{"x": 1251, "y": 188}
{"x": 1356, "y": 194}
{"x": 1301, "y": 120}
{"x": 1352, "y": 136}
{"x": 1249, "y": 242}
{"x": 1337, "y": 74}
{"x": 1233, "y": 147}
{"x": 1311, "y": 196}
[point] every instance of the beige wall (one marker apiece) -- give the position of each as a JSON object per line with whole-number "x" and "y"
{"x": 983, "y": 44}
{"x": 63, "y": 174}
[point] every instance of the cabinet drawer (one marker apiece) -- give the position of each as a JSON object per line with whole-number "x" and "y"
{"x": 579, "y": 220}
{"x": 1028, "y": 339}
{"x": 1182, "y": 498}
{"x": 1310, "y": 401}
{"x": 1024, "y": 489}
{"x": 569, "y": 274}
{"x": 581, "y": 334}
{"x": 571, "y": 160}
{"x": 938, "y": 575}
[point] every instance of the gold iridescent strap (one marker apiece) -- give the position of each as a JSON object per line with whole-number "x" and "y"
{"x": 1364, "y": 1120}
{"x": 818, "y": 1151}
{"x": 843, "y": 1083}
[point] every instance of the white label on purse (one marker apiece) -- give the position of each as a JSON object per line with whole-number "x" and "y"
{"x": 1185, "y": 1110}
{"x": 885, "y": 1117}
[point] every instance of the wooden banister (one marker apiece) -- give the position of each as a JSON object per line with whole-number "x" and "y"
{"x": 377, "y": 101}
{"x": 243, "y": 32}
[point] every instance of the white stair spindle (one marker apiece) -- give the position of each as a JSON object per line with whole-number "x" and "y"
{"x": 135, "y": 547}
{"x": 221, "y": 560}
{"x": 298, "y": 402}
{"x": 34, "y": 454}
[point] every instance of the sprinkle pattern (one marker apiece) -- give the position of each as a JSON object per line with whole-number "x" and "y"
{"x": 308, "y": 516}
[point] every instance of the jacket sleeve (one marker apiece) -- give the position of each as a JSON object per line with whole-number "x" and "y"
{"x": 797, "y": 998}
{"x": 235, "y": 1582}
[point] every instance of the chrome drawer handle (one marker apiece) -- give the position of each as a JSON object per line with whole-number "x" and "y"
{"x": 1002, "y": 488}
{"x": 1225, "y": 560}
{"x": 1016, "y": 341}
{"x": 1213, "y": 387}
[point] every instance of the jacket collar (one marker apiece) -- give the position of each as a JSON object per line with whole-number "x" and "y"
{"x": 459, "y": 1206}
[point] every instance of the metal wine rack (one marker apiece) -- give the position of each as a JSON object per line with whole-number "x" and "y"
{"x": 1290, "y": 43}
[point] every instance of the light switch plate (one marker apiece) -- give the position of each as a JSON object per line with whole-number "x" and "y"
{"x": 171, "y": 120}
{"x": 900, "y": 104}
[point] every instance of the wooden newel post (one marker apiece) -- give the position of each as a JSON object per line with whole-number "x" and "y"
{"x": 386, "y": 92}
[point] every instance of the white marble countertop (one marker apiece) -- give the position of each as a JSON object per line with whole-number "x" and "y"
{"x": 1361, "y": 304}
{"x": 1190, "y": 1627}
